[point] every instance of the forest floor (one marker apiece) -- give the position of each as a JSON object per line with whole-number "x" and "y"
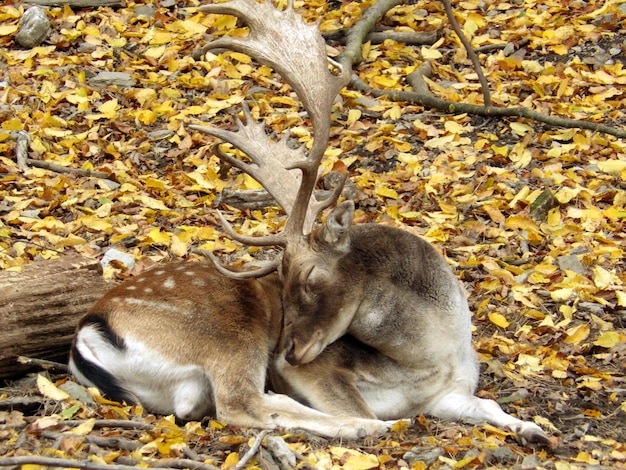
{"x": 531, "y": 216}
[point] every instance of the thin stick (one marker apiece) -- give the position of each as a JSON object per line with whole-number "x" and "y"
{"x": 252, "y": 451}
{"x": 43, "y": 363}
{"x": 53, "y": 462}
{"x": 470, "y": 52}
{"x": 64, "y": 169}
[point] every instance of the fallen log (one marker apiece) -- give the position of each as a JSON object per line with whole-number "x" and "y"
{"x": 40, "y": 307}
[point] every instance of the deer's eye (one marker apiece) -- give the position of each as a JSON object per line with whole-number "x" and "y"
{"x": 311, "y": 281}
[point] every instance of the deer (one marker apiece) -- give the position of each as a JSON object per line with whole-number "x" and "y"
{"x": 350, "y": 329}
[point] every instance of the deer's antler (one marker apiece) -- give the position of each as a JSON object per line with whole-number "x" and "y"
{"x": 296, "y": 51}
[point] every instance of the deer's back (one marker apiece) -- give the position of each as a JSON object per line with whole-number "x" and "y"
{"x": 405, "y": 261}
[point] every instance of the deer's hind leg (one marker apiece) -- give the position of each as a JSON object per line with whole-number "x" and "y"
{"x": 470, "y": 408}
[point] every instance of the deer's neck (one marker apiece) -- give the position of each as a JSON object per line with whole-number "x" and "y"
{"x": 269, "y": 290}
{"x": 409, "y": 295}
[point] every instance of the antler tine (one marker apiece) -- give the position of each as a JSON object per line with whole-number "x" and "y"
{"x": 268, "y": 240}
{"x": 269, "y": 159}
{"x": 271, "y": 41}
{"x": 271, "y": 267}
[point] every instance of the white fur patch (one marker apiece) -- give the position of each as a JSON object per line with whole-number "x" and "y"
{"x": 160, "y": 384}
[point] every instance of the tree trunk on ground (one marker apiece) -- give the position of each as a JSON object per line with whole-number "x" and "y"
{"x": 40, "y": 308}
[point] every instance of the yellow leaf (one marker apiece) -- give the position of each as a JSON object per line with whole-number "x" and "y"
{"x": 612, "y": 166}
{"x": 8, "y": 29}
{"x": 566, "y": 194}
{"x": 159, "y": 237}
{"x": 353, "y": 116}
{"x": 145, "y": 96}
{"x": 49, "y": 390}
{"x": 225, "y": 22}
{"x": 621, "y": 298}
{"x": 454, "y": 127}
{"x": 155, "y": 52}
{"x": 430, "y": 54}
{"x": 146, "y": 117}
{"x": 178, "y": 247}
{"x": 577, "y": 334}
{"x": 152, "y": 203}
{"x": 109, "y": 108}
{"x": 384, "y": 81}
{"x": 521, "y": 222}
{"x": 470, "y": 27}
{"x": 395, "y": 113}
{"x": 560, "y": 49}
{"x": 498, "y": 319}
{"x": 400, "y": 426}
{"x": 13, "y": 124}
{"x": 584, "y": 457}
{"x": 520, "y": 128}
{"x": 231, "y": 460}
{"x": 251, "y": 183}
{"x": 353, "y": 459}
{"x": 609, "y": 339}
{"x": 384, "y": 191}
{"x": 84, "y": 428}
{"x": 439, "y": 142}
{"x": 521, "y": 156}
{"x": 602, "y": 278}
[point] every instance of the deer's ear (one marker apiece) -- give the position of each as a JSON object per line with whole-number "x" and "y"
{"x": 335, "y": 230}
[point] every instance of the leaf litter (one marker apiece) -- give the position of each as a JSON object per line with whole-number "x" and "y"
{"x": 530, "y": 216}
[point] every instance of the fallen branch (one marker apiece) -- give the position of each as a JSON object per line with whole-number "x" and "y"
{"x": 54, "y": 462}
{"x": 480, "y": 110}
{"x": 22, "y": 143}
{"x": 378, "y": 37}
{"x": 76, "y": 171}
{"x": 416, "y": 78}
{"x": 173, "y": 464}
{"x": 77, "y": 3}
{"x": 351, "y": 57}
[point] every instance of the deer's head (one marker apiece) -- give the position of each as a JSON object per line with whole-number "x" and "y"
{"x": 316, "y": 302}
{"x": 314, "y": 314}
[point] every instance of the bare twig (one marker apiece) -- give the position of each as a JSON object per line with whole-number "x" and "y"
{"x": 114, "y": 442}
{"x": 86, "y": 464}
{"x": 114, "y": 423}
{"x": 378, "y": 37}
{"x": 20, "y": 403}
{"x": 43, "y": 363}
{"x": 54, "y": 462}
{"x": 78, "y": 3}
{"x": 470, "y": 52}
{"x": 181, "y": 463}
{"x": 76, "y": 171}
{"x": 252, "y": 451}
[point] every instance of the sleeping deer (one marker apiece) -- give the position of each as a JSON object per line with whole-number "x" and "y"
{"x": 352, "y": 328}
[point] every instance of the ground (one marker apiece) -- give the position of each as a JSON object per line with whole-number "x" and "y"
{"x": 531, "y": 216}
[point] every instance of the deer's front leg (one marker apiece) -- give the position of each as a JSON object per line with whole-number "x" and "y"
{"x": 328, "y": 383}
